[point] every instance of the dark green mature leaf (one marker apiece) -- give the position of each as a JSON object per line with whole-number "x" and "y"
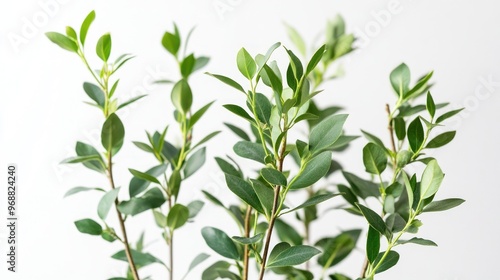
{"x": 194, "y": 162}
{"x": 212, "y": 272}
{"x": 220, "y": 242}
{"x": 106, "y": 203}
{"x": 335, "y": 249}
{"x": 316, "y": 58}
{"x": 144, "y": 176}
{"x": 338, "y": 276}
{"x": 348, "y": 194}
{"x": 372, "y": 244}
{"x": 273, "y": 176}
{"x": 373, "y": 219}
{"x": 293, "y": 256}
{"x": 95, "y": 93}
{"x": 314, "y": 201}
{"x": 374, "y": 158}
{"x": 62, "y": 41}
{"x": 248, "y": 240}
{"x": 312, "y": 171}
{"x": 274, "y": 80}
{"x": 238, "y": 131}
{"x": 390, "y": 261}
{"x": 325, "y": 133}
{"x": 201, "y": 257}
{"x": 431, "y": 106}
{"x": 228, "y": 81}
{"x": 182, "y": 96}
{"x": 88, "y": 226}
{"x": 296, "y": 67}
{"x": 141, "y": 259}
{"x": 441, "y": 140}
{"x": 213, "y": 199}
{"x": 431, "y": 180}
{"x": 103, "y": 48}
{"x": 448, "y": 115}
{"x": 419, "y": 241}
{"x": 151, "y": 199}
{"x": 443, "y": 205}
{"x": 246, "y": 64}
{"x": 263, "y": 107}
{"x": 287, "y": 233}
{"x": 138, "y": 185}
{"x": 112, "y": 134}
{"x": 171, "y": 42}
{"x": 244, "y": 190}
{"x": 227, "y": 167}
{"x": 400, "y": 79}
{"x": 177, "y": 216}
{"x": 84, "y": 150}
{"x": 76, "y": 190}
{"x": 415, "y": 134}
{"x": 237, "y": 110}
{"x": 265, "y": 194}
{"x": 400, "y": 128}
{"x": 250, "y": 150}
{"x": 361, "y": 187}
{"x": 85, "y": 26}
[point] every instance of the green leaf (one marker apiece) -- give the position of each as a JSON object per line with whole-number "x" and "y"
{"x": 325, "y": 133}
{"x": 140, "y": 259}
{"x": 248, "y": 240}
{"x": 227, "y": 167}
{"x": 194, "y": 208}
{"x": 81, "y": 159}
{"x": 130, "y": 101}
{"x": 287, "y": 233}
{"x": 419, "y": 241}
{"x": 220, "y": 242}
{"x": 250, "y": 150}
{"x": 138, "y": 185}
{"x": 403, "y": 158}
{"x": 228, "y": 81}
{"x": 62, "y": 41}
{"x": 95, "y": 93}
{"x": 400, "y": 79}
{"x": 373, "y": 219}
{"x": 144, "y": 176}
{"x": 198, "y": 114}
{"x": 205, "y": 139}
{"x": 246, "y": 64}
{"x": 431, "y": 180}
{"x": 400, "y": 128}
{"x": 372, "y": 244}
{"x": 273, "y": 176}
{"x": 213, "y": 199}
{"x": 106, "y": 203}
{"x": 390, "y": 261}
{"x": 296, "y": 39}
{"x": 194, "y": 162}
{"x": 374, "y": 158}
{"x": 244, "y": 190}
{"x": 335, "y": 249}
{"x": 112, "y": 134}
{"x": 263, "y": 107}
{"x": 443, "y": 205}
{"x": 71, "y": 33}
{"x": 160, "y": 219}
{"x": 237, "y": 110}
{"x": 441, "y": 140}
{"x": 430, "y": 105}
{"x": 348, "y": 194}
{"x": 103, "y": 48}
{"x": 76, "y": 190}
{"x": 372, "y": 138}
{"x": 416, "y": 134}
{"x": 85, "y": 26}
{"x": 448, "y": 115}
{"x": 171, "y": 42}
{"x": 312, "y": 171}
{"x": 83, "y": 149}
{"x": 88, "y": 226}
{"x": 265, "y": 193}
{"x": 143, "y": 146}
{"x": 274, "y": 80}
{"x": 177, "y": 216}
{"x": 201, "y": 62}
{"x": 318, "y": 55}
{"x": 313, "y": 201}
{"x": 238, "y": 131}
{"x": 151, "y": 199}
{"x": 361, "y": 187}
{"x": 421, "y": 85}
{"x": 293, "y": 256}
{"x": 212, "y": 272}
{"x": 409, "y": 190}
{"x": 201, "y": 257}
{"x": 187, "y": 65}
{"x": 182, "y": 97}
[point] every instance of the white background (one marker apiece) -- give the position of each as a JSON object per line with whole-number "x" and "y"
{"x": 42, "y": 115}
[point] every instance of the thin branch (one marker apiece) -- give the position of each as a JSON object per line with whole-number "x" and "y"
{"x": 246, "y": 255}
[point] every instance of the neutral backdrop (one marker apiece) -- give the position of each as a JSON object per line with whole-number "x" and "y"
{"x": 42, "y": 116}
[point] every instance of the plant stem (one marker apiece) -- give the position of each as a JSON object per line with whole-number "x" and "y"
{"x": 128, "y": 252}
{"x": 248, "y": 216}
{"x": 391, "y": 134}
{"x": 171, "y": 244}
{"x": 275, "y": 209}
